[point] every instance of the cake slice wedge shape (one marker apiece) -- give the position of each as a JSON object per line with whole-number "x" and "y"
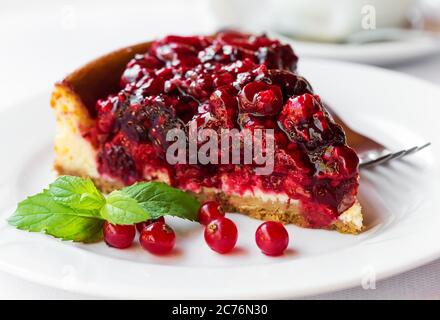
{"x": 113, "y": 116}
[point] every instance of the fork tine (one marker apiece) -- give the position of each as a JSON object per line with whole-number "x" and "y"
{"x": 393, "y": 156}
{"x": 424, "y": 146}
{"x": 377, "y": 160}
{"x": 412, "y": 150}
{"x": 398, "y": 155}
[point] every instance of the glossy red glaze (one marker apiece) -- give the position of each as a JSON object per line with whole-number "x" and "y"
{"x": 230, "y": 80}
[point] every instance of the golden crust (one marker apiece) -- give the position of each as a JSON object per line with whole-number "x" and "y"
{"x": 348, "y": 228}
{"x": 72, "y": 150}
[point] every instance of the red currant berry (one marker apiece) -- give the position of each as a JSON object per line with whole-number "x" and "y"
{"x": 119, "y": 236}
{"x": 141, "y": 225}
{"x": 158, "y": 238}
{"x": 272, "y": 238}
{"x": 209, "y": 211}
{"x": 261, "y": 99}
{"x": 221, "y": 235}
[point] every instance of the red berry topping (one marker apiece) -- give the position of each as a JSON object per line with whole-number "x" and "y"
{"x": 223, "y": 105}
{"x": 221, "y": 235}
{"x": 261, "y": 99}
{"x": 235, "y": 38}
{"x": 114, "y": 158}
{"x": 158, "y": 238}
{"x": 304, "y": 120}
{"x": 141, "y": 225}
{"x": 272, "y": 238}
{"x": 105, "y": 122}
{"x": 119, "y": 236}
{"x": 290, "y": 83}
{"x": 247, "y": 121}
{"x": 209, "y": 211}
{"x": 229, "y": 80}
{"x": 338, "y": 161}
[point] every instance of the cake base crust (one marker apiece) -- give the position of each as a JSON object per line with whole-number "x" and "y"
{"x": 251, "y": 206}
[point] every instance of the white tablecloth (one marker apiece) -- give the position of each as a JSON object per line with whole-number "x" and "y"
{"x": 42, "y": 41}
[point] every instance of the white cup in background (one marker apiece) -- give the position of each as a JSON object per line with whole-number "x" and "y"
{"x": 328, "y": 20}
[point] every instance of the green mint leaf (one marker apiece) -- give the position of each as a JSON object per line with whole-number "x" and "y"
{"x": 76, "y": 193}
{"x": 41, "y": 213}
{"x": 160, "y": 199}
{"x": 121, "y": 208}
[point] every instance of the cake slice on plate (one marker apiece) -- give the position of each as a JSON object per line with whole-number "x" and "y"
{"x": 113, "y": 116}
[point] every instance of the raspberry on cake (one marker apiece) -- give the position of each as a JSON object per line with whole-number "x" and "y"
{"x": 113, "y": 116}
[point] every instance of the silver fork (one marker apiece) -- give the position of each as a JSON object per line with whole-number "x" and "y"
{"x": 376, "y": 157}
{"x": 370, "y": 152}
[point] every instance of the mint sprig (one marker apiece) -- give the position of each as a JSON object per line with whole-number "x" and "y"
{"x": 160, "y": 199}
{"x": 41, "y": 213}
{"x": 120, "y": 208}
{"x": 76, "y": 193}
{"x": 72, "y": 208}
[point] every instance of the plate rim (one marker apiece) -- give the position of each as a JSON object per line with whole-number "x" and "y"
{"x": 379, "y": 54}
{"x": 273, "y": 292}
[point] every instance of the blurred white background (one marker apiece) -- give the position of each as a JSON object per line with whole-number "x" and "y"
{"x": 42, "y": 41}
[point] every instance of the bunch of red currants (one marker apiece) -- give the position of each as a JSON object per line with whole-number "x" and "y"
{"x": 221, "y": 233}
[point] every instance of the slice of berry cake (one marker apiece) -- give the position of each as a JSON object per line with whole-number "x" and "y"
{"x": 114, "y": 116}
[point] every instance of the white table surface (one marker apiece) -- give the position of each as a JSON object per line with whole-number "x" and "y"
{"x": 41, "y": 42}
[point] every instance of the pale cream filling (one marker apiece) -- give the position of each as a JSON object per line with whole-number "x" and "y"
{"x": 353, "y": 215}
{"x": 72, "y": 151}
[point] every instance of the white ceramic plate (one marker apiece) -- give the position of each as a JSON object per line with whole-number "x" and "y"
{"x": 399, "y": 202}
{"x": 380, "y": 53}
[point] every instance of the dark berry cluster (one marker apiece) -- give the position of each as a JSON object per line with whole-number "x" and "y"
{"x": 230, "y": 80}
